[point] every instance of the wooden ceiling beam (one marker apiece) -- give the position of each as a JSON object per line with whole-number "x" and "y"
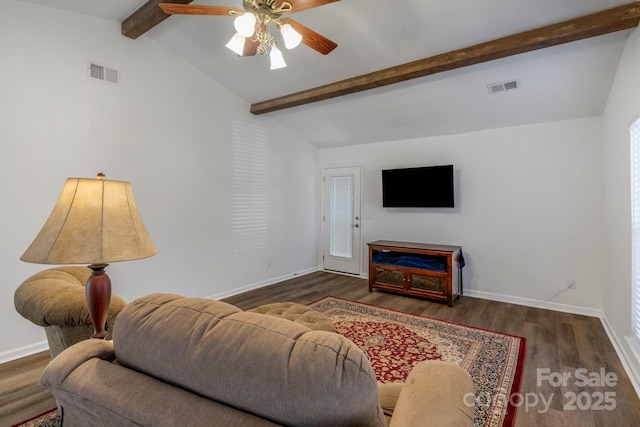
{"x": 600, "y": 23}
{"x": 148, "y": 16}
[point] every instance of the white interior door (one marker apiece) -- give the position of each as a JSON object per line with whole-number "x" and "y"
{"x": 341, "y": 220}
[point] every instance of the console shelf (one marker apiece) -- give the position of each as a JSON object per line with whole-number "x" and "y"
{"x": 417, "y": 269}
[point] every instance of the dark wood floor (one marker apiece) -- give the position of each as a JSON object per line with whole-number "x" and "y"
{"x": 559, "y": 342}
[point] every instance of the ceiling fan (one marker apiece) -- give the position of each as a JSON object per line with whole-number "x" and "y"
{"x": 252, "y": 26}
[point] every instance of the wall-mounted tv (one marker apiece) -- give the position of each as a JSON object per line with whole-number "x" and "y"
{"x": 423, "y": 187}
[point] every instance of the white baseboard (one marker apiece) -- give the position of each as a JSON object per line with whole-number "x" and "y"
{"x": 263, "y": 283}
{"x": 626, "y": 359}
{"x": 529, "y": 302}
{"x": 27, "y": 350}
{"x": 357, "y": 276}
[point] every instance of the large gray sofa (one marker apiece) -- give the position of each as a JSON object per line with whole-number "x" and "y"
{"x": 178, "y": 361}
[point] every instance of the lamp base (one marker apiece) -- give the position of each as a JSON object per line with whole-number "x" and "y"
{"x": 98, "y": 292}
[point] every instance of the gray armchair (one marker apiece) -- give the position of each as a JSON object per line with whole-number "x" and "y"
{"x": 55, "y": 299}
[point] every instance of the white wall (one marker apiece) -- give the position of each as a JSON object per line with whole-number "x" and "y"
{"x": 622, "y": 107}
{"x": 528, "y": 210}
{"x": 167, "y": 129}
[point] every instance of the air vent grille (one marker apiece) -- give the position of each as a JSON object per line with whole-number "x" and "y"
{"x": 100, "y": 72}
{"x": 502, "y": 87}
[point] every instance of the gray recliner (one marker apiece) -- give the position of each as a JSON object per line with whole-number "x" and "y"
{"x": 55, "y": 299}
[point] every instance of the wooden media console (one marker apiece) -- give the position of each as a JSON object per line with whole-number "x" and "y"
{"x": 416, "y": 269}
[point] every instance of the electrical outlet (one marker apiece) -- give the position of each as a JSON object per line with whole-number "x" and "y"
{"x": 571, "y": 284}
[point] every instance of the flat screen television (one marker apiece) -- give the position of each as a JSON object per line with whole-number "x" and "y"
{"x": 423, "y": 187}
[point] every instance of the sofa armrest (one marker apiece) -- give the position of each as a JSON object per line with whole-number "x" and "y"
{"x": 434, "y": 395}
{"x": 66, "y": 362}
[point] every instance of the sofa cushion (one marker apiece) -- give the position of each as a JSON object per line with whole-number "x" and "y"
{"x": 297, "y": 313}
{"x": 91, "y": 390}
{"x": 265, "y": 365}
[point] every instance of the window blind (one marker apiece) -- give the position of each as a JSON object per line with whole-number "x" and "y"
{"x": 635, "y": 227}
{"x": 250, "y": 183}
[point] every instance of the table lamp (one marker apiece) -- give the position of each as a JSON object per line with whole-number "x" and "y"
{"x": 94, "y": 221}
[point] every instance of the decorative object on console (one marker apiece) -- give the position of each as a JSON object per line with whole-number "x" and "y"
{"x": 96, "y": 222}
{"x": 252, "y": 26}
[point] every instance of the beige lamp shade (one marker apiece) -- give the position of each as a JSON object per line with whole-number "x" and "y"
{"x": 95, "y": 221}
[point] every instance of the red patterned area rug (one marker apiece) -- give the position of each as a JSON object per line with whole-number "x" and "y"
{"x": 395, "y": 341}
{"x": 51, "y": 418}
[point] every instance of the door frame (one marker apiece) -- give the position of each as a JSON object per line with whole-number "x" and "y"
{"x": 323, "y": 205}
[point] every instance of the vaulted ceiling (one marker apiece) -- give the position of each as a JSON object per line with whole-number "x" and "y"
{"x": 426, "y": 40}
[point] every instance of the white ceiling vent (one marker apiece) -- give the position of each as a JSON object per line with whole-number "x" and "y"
{"x": 100, "y": 72}
{"x": 502, "y": 87}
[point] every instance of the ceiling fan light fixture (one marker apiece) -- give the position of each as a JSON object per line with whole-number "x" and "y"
{"x": 277, "y": 60}
{"x": 245, "y": 24}
{"x": 236, "y": 44}
{"x": 253, "y": 23}
{"x": 291, "y": 37}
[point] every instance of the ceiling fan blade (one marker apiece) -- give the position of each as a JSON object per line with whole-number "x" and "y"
{"x": 250, "y": 47}
{"x": 298, "y": 5}
{"x": 190, "y": 9}
{"x": 312, "y": 39}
